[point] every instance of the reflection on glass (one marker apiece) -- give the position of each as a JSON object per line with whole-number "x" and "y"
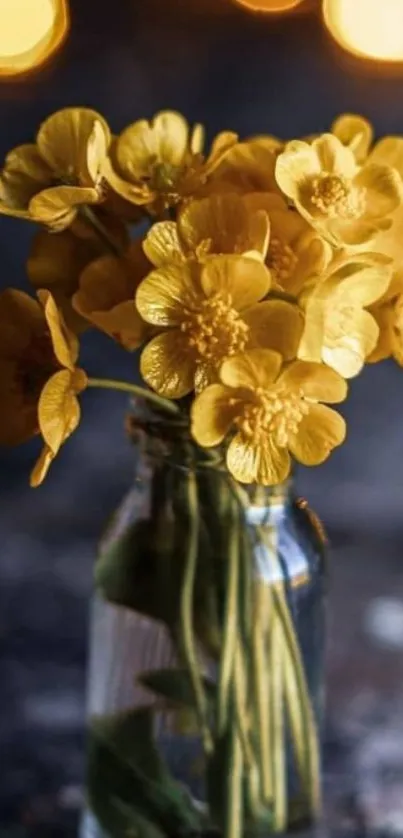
{"x": 368, "y": 28}
{"x": 30, "y": 31}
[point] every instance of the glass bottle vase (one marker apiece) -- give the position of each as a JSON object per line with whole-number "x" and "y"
{"x": 205, "y": 691}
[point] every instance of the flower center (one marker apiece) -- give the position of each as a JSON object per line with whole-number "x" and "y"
{"x": 276, "y": 412}
{"x": 215, "y": 329}
{"x": 337, "y": 197}
{"x": 282, "y": 260}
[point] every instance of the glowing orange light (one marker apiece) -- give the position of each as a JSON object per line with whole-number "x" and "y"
{"x": 30, "y": 31}
{"x": 368, "y": 28}
{"x": 269, "y": 5}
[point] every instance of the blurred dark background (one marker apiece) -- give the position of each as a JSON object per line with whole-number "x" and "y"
{"x": 231, "y": 70}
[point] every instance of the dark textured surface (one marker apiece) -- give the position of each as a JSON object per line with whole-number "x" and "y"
{"x": 129, "y": 59}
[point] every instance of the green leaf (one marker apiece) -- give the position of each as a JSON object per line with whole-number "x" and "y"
{"x": 130, "y": 789}
{"x": 174, "y": 685}
{"x": 128, "y": 569}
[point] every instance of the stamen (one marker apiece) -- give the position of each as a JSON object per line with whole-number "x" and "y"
{"x": 336, "y": 196}
{"x": 276, "y": 413}
{"x": 215, "y": 329}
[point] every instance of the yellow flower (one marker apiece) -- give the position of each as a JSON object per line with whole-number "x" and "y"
{"x": 345, "y": 203}
{"x": 355, "y": 132}
{"x": 56, "y": 263}
{"x": 271, "y": 413}
{"x": 158, "y": 163}
{"x": 220, "y": 224}
{"x": 248, "y": 167}
{"x": 338, "y": 329}
{"x": 47, "y": 181}
{"x": 105, "y": 296}
{"x": 39, "y": 381}
{"x": 209, "y": 312}
{"x": 296, "y": 252}
{"x": 388, "y": 313}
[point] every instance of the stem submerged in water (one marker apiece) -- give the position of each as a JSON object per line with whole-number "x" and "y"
{"x": 186, "y": 610}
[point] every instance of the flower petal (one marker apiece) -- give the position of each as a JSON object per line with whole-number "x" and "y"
{"x": 350, "y": 233}
{"x": 106, "y": 295}
{"x": 122, "y": 323}
{"x": 144, "y": 144}
{"x": 55, "y": 263}
{"x": 167, "y": 365}
{"x": 356, "y": 284}
{"x": 163, "y": 294}
{"x": 57, "y": 207}
{"x": 220, "y": 147}
{"x": 348, "y": 344}
{"x": 41, "y": 466}
{"x": 213, "y": 413}
{"x": 389, "y": 152}
{"x": 196, "y": 141}
{"x": 321, "y": 430}
{"x": 58, "y": 409}
{"x": 21, "y": 317}
{"x": 18, "y": 415}
{"x": 110, "y": 280}
{"x": 275, "y": 324}
{"x": 295, "y": 165}
{"x": 63, "y": 140}
{"x": 249, "y": 167}
{"x": 65, "y": 343}
{"x": 244, "y": 280}
{"x": 334, "y": 157}
{"x": 355, "y": 132}
{"x": 25, "y": 174}
{"x": 316, "y": 381}
{"x": 252, "y": 369}
{"x": 138, "y": 194}
{"x": 225, "y": 223}
{"x": 383, "y": 189}
{"x": 96, "y": 152}
{"x": 265, "y": 463}
{"x": 384, "y": 316}
{"x": 162, "y": 245}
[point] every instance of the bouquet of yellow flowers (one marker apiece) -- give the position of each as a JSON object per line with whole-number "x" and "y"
{"x": 256, "y": 278}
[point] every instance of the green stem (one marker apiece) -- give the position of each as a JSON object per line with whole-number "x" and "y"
{"x": 261, "y": 699}
{"x": 89, "y": 215}
{"x": 274, "y": 674}
{"x": 135, "y": 390}
{"x": 230, "y": 628}
{"x": 312, "y": 769}
{"x": 186, "y": 610}
{"x": 234, "y": 826}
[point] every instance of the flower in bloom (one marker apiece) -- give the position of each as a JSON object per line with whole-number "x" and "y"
{"x": 160, "y": 162}
{"x": 105, "y": 296}
{"x": 47, "y": 181}
{"x": 219, "y": 224}
{"x": 338, "y": 329}
{"x": 269, "y": 413}
{"x": 296, "y": 252}
{"x": 388, "y": 313}
{"x": 207, "y": 313}
{"x": 39, "y": 380}
{"x": 346, "y": 203}
{"x": 249, "y": 166}
{"x": 56, "y": 263}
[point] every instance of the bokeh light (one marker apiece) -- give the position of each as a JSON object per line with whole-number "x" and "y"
{"x": 30, "y": 31}
{"x": 368, "y": 28}
{"x": 274, "y": 6}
